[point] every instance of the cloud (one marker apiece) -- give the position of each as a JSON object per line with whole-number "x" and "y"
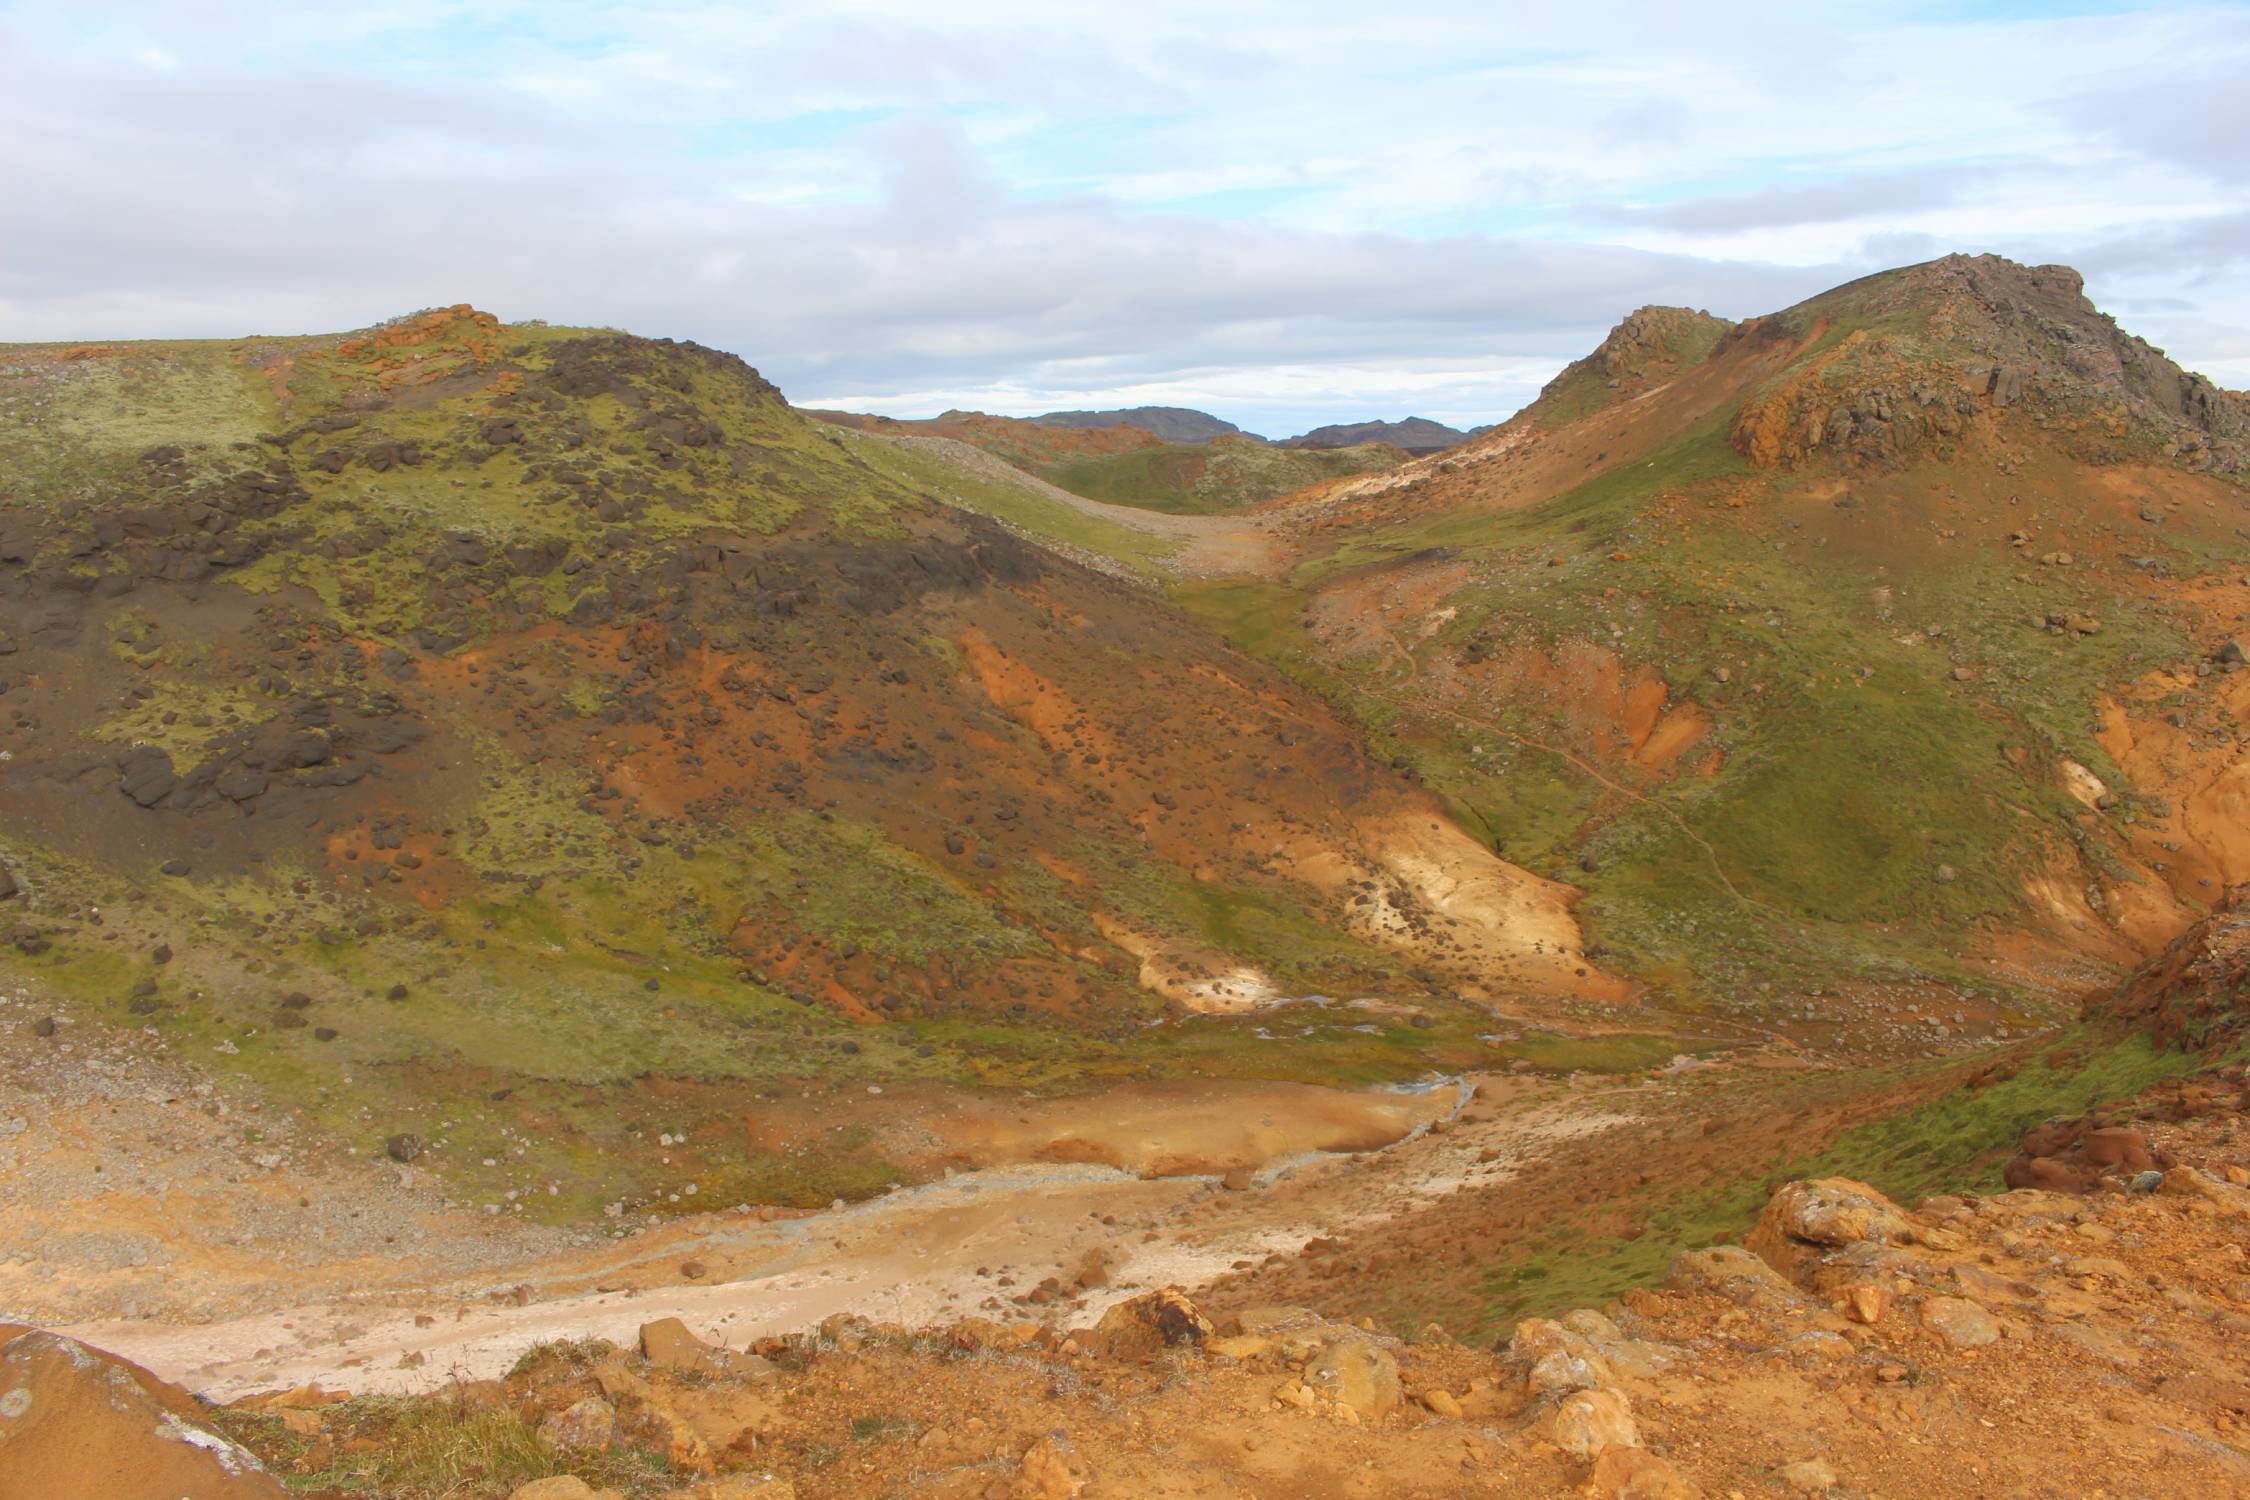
{"x": 940, "y": 283}
{"x": 2197, "y": 117}
{"x": 1302, "y": 212}
{"x": 1857, "y": 195}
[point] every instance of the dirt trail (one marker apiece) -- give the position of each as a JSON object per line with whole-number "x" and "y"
{"x": 968, "y": 1244}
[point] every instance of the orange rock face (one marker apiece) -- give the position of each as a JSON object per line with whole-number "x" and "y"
{"x": 78, "y": 1424}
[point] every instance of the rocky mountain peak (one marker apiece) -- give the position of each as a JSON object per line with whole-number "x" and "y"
{"x": 1650, "y": 345}
{"x": 1652, "y": 332}
{"x": 1947, "y": 339}
{"x": 2036, "y": 323}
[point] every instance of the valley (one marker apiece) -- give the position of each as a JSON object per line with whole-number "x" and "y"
{"x": 512, "y": 833}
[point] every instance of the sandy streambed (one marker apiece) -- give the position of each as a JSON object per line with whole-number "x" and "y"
{"x": 964, "y": 1245}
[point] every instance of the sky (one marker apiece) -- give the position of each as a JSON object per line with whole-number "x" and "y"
{"x": 1284, "y": 213}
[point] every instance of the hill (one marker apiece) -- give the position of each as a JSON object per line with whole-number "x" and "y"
{"x": 1171, "y": 424}
{"x": 1031, "y": 446}
{"x": 1886, "y": 643}
{"x": 1413, "y": 434}
{"x": 459, "y": 730}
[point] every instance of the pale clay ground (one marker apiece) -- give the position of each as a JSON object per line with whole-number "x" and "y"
{"x": 370, "y": 1284}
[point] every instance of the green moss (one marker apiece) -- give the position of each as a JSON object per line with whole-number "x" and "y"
{"x": 71, "y": 427}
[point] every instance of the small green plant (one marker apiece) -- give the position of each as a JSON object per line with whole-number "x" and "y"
{"x": 876, "y": 1428}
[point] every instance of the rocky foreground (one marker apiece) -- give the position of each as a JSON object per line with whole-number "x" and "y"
{"x": 2035, "y": 1342}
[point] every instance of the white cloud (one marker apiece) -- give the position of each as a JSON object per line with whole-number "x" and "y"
{"x": 1294, "y": 213}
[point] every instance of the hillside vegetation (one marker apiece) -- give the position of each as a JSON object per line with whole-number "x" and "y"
{"x": 512, "y": 833}
{"x": 504, "y": 717}
{"x": 1890, "y": 641}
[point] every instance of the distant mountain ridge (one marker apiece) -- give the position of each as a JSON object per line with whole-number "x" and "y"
{"x": 1177, "y": 424}
{"x": 1174, "y": 424}
{"x": 1414, "y": 434}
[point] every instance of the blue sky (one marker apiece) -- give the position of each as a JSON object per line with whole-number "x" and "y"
{"x": 1285, "y": 213}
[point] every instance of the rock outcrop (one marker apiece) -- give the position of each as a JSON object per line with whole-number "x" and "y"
{"x": 1925, "y": 351}
{"x": 2195, "y": 994}
{"x": 78, "y": 1424}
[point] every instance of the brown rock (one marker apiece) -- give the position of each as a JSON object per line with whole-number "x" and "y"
{"x": 78, "y": 1424}
{"x": 1586, "y": 1422}
{"x": 1732, "y": 1272}
{"x": 1155, "y": 1320}
{"x": 668, "y": 1342}
{"x": 1867, "y": 1304}
{"x": 616, "y": 1380}
{"x": 683, "y": 1447}
{"x": 1830, "y": 1211}
{"x": 1959, "y": 1322}
{"x": 979, "y": 1333}
{"x": 1356, "y": 1373}
{"x": 2118, "y": 1149}
{"x": 586, "y": 1425}
{"x": 1556, "y": 1358}
{"x": 1052, "y": 1470}
{"x": 1636, "y": 1474}
{"x": 2187, "y": 1182}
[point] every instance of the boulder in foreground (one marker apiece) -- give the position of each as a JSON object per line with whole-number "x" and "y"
{"x": 78, "y": 1424}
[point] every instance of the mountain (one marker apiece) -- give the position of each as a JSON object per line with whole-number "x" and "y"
{"x": 453, "y": 711}
{"x": 1889, "y": 639}
{"x": 1172, "y": 424}
{"x": 1414, "y": 434}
